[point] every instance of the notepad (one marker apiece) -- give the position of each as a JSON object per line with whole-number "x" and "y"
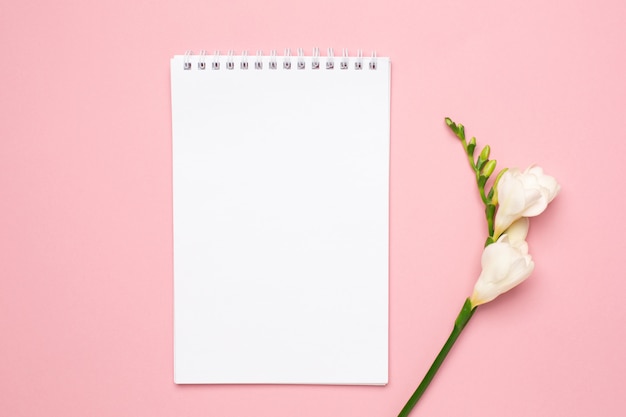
{"x": 281, "y": 214}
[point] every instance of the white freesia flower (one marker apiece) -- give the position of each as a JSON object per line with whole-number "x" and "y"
{"x": 505, "y": 260}
{"x": 523, "y": 194}
{"x": 518, "y": 231}
{"x": 505, "y": 265}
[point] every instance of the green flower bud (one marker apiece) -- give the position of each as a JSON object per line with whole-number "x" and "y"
{"x": 461, "y": 133}
{"x": 484, "y": 155}
{"x": 471, "y": 146}
{"x": 458, "y": 130}
{"x": 489, "y": 168}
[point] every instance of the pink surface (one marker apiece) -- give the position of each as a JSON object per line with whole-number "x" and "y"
{"x": 85, "y": 202}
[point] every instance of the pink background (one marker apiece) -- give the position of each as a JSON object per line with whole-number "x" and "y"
{"x": 86, "y": 217}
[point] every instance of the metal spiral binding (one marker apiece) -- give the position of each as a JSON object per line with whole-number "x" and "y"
{"x": 358, "y": 65}
{"x": 373, "y": 63}
{"x": 344, "y": 60}
{"x": 330, "y": 63}
{"x": 216, "y": 61}
{"x": 301, "y": 64}
{"x": 272, "y": 63}
{"x": 287, "y": 61}
{"x": 187, "y": 61}
{"x": 229, "y": 61}
{"x": 201, "y": 60}
{"x": 258, "y": 64}
{"x": 272, "y": 60}
{"x": 244, "y": 60}
{"x": 315, "y": 61}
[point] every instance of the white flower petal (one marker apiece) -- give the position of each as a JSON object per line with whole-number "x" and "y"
{"x": 518, "y": 231}
{"x": 504, "y": 267}
{"x": 511, "y": 192}
{"x": 523, "y": 194}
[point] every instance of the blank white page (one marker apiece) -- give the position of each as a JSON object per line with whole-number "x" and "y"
{"x": 281, "y": 196}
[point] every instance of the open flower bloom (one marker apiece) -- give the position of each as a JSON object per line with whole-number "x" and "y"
{"x": 518, "y": 231}
{"x": 505, "y": 265}
{"x": 523, "y": 194}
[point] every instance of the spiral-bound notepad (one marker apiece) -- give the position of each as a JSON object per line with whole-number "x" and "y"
{"x": 281, "y": 183}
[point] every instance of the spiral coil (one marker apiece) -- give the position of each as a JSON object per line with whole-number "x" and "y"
{"x": 299, "y": 61}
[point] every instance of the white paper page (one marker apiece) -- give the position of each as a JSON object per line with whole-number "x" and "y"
{"x": 281, "y": 183}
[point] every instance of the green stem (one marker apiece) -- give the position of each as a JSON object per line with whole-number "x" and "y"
{"x": 483, "y": 196}
{"x": 459, "y": 324}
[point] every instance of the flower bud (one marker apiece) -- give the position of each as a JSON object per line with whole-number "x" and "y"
{"x": 505, "y": 265}
{"x": 471, "y": 146}
{"x": 484, "y": 154}
{"x": 489, "y": 168}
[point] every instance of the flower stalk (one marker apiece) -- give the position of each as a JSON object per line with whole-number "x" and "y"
{"x": 459, "y": 324}
{"x": 513, "y": 197}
